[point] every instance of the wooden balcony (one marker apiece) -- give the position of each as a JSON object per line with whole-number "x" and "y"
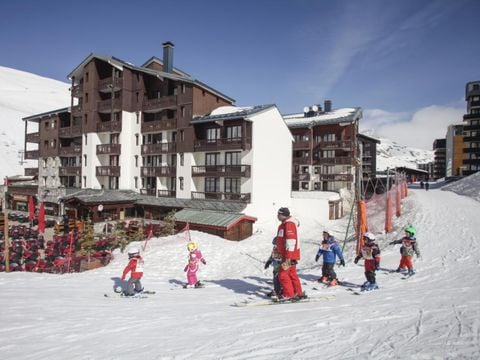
{"x": 109, "y": 149}
{"x": 166, "y": 193}
{"x": 336, "y": 177}
{"x": 339, "y": 160}
{"x": 70, "y": 150}
{"x": 241, "y": 197}
{"x": 304, "y": 160}
{"x": 105, "y": 106}
{"x": 222, "y": 170}
{"x": 109, "y": 126}
{"x": 150, "y": 192}
{"x": 297, "y": 145}
{"x": 31, "y": 171}
{"x": 77, "y": 110}
{"x": 162, "y": 148}
{"x": 159, "y": 104}
{"x": 33, "y": 138}
{"x": 70, "y": 131}
{"x": 105, "y": 85}
{"x": 346, "y": 145}
{"x": 108, "y": 171}
{"x": 32, "y": 154}
{"x": 243, "y": 143}
{"x": 77, "y": 91}
{"x": 158, "y": 171}
{"x": 70, "y": 171}
{"x": 159, "y": 125}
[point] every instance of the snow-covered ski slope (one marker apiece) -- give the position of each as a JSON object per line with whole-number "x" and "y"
{"x": 432, "y": 315}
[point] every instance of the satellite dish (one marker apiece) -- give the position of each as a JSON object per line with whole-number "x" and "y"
{"x": 315, "y": 108}
{"x": 306, "y": 109}
{"x": 100, "y": 207}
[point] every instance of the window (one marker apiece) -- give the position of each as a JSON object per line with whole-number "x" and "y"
{"x": 182, "y": 88}
{"x": 47, "y": 124}
{"x": 212, "y": 159}
{"x": 233, "y": 158}
{"x": 329, "y": 137}
{"x": 85, "y": 138}
{"x": 182, "y": 111}
{"x": 181, "y": 160}
{"x": 137, "y": 139}
{"x": 85, "y": 160}
{"x": 212, "y": 184}
{"x": 136, "y": 161}
{"x": 181, "y": 182}
{"x": 86, "y": 76}
{"x": 213, "y": 134}
{"x": 86, "y": 97}
{"x": 137, "y": 114}
{"x": 304, "y": 185}
{"x": 234, "y": 132}
{"x": 328, "y": 153}
{"x": 114, "y": 139}
{"x": 84, "y": 181}
{"x": 182, "y": 135}
{"x": 316, "y": 170}
{"x": 135, "y": 180}
{"x": 232, "y": 185}
{"x": 305, "y": 169}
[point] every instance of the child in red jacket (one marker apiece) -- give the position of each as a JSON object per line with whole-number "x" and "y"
{"x": 135, "y": 268}
{"x": 370, "y": 252}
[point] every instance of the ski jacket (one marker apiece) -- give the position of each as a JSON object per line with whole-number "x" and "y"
{"x": 330, "y": 252}
{"x": 194, "y": 258}
{"x": 288, "y": 245}
{"x": 409, "y": 246}
{"x": 135, "y": 267}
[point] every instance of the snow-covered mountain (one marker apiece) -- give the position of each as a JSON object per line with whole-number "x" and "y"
{"x": 23, "y": 94}
{"x": 391, "y": 155}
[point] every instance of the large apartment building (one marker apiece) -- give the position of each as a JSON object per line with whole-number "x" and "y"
{"x": 439, "y": 158}
{"x": 471, "y": 128}
{"x": 454, "y": 150}
{"x": 153, "y": 129}
{"x": 325, "y": 149}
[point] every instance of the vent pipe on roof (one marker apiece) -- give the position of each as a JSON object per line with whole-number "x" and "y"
{"x": 168, "y": 56}
{"x": 327, "y": 105}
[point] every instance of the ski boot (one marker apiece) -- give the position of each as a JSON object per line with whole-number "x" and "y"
{"x": 334, "y": 282}
{"x": 371, "y": 286}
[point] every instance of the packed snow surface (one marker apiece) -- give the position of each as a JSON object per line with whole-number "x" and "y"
{"x": 432, "y": 315}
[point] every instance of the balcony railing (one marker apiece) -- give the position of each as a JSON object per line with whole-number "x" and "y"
{"x": 242, "y": 197}
{"x": 341, "y": 144}
{"x": 70, "y": 131}
{"x": 471, "y": 116}
{"x": 109, "y": 126}
{"x": 108, "y": 171}
{"x": 105, "y": 106}
{"x": 159, "y": 125}
{"x": 166, "y": 193}
{"x": 471, "y": 150}
{"x": 222, "y": 170}
{"x": 106, "y": 84}
{"x": 339, "y": 160}
{"x": 471, "y": 138}
{"x": 301, "y": 145}
{"x": 158, "y": 104}
{"x": 31, "y": 171}
{"x": 109, "y": 149}
{"x": 158, "y": 171}
{"x": 150, "y": 192}
{"x": 149, "y": 149}
{"x": 70, "y": 150}
{"x": 301, "y": 177}
{"x": 76, "y": 110}
{"x": 77, "y": 90}
{"x": 244, "y": 143}
{"x": 70, "y": 171}
{"x": 33, "y": 137}
{"x": 32, "y": 154}
{"x": 336, "y": 177}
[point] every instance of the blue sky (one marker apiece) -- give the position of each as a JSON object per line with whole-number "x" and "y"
{"x": 395, "y": 59}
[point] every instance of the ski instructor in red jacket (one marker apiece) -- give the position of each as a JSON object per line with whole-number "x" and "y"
{"x": 289, "y": 249}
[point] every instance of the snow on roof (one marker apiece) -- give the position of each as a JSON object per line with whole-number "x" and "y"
{"x": 222, "y": 110}
{"x": 331, "y": 117}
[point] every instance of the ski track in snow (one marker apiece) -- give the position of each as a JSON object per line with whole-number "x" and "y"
{"x": 433, "y": 315}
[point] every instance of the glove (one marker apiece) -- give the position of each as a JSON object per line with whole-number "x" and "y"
{"x": 316, "y": 258}
{"x": 377, "y": 266}
{"x": 356, "y": 260}
{"x": 267, "y": 264}
{"x": 286, "y": 264}
{"x": 185, "y": 268}
{"x": 123, "y": 278}
{"x": 342, "y": 263}
{"x": 204, "y": 262}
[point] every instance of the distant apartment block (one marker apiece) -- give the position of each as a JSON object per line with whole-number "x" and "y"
{"x": 325, "y": 147}
{"x": 471, "y": 128}
{"x": 439, "y": 158}
{"x": 368, "y": 150}
{"x": 454, "y": 150}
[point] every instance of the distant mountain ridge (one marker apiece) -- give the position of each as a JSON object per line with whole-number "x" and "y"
{"x": 391, "y": 155}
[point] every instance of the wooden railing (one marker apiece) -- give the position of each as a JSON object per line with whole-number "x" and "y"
{"x": 242, "y": 197}
{"x": 221, "y": 170}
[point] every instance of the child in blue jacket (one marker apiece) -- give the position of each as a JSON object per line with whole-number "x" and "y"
{"x": 329, "y": 249}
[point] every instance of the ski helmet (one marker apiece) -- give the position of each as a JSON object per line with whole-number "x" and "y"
{"x": 410, "y": 230}
{"x": 133, "y": 251}
{"x": 369, "y": 236}
{"x": 327, "y": 231}
{"x": 191, "y": 246}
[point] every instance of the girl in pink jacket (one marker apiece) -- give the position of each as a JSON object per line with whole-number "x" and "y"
{"x": 194, "y": 257}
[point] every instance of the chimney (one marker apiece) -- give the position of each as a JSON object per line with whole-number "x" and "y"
{"x": 168, "y": 56}
{"x": 327, "y": 105}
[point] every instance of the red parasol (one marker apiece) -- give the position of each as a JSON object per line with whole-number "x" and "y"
{"x": 31, "y": 209}
{"x": 41, "y": 219}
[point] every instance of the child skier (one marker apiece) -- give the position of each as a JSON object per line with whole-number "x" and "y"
{"x": 275, "y": 260}
{"x": 408, "y": 248}
{"x": 135, "y": 268}
{"x": 194, "y": 257}
{"x": 329, "y": 249}
{"x": 371, "y": 254}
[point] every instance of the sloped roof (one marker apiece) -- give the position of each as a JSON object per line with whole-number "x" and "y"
{"x": 211, "y": 218}
{"x": 234, "y": 115}
{"x": 92, "y": 196}
{"x": 338, "y": 116}
{"x": 120, "y": 64}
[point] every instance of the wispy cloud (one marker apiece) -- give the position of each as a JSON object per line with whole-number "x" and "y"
{"x": 417, "y": 130}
